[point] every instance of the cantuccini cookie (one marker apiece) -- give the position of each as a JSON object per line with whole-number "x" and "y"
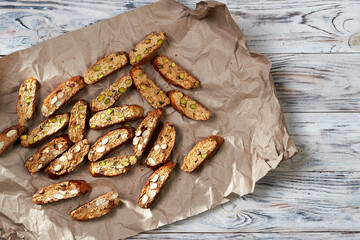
{"x": 145, "y": 131}
{"x": 162, "y": 148}
{"x": 116, "y": 115}
{"x": 51, "y": 150}
{"x": 188, "y": 106}
{"x": 106, "y": 66}
{"x": 109, "y": 142}
{"x": 9, "y": 136}
{"x": 110, "y": 95}
{"x": 60, "y": 191}
{"x": 25, "y": 106}
{"x": 147, "y": 49}
{"x": 173, "y": 73}
{"x": 69, "y": 160}
{"x": 201, "y": 152}
{"x": 77, "y": 122}
{"x": 45, "y": 129}
{"x": 148, "y": 89}
{"x": 97, "y": 207}
{"x": 61, "y": 95}
{"x": 111, "y": 167}
{"x": 154, "y": 184}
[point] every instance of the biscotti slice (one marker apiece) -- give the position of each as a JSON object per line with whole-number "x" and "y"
{"x": 42, "y": 157}
{"x": 9, "y": 136}
{"x": 77, "y": 121}
{"x": 162, "y": 148}
{"x": 110, "y": 95}
{"x": 201, "y": 152}
{"x": 173, "y": 73}
{"x": 106, "y": 66}
{"x": 145, "y": 131}
{"x": 148, "y": 89}
{"x": 69, "y": 160}
{"x": 63, "y": 93}
{"x": 97, "y": 207}
{"x": 147, "y": 49}
{"x": 25, "y": 106}
{"x": 154, "y": 184}
{"x": 60, "y": 191}
{"x": 188, "y": 106}
{"x": 45, "y": 129}
{"x": 109, "y": 142}
{"x": 116, "y": 115}
{"x": 111, "y": 167}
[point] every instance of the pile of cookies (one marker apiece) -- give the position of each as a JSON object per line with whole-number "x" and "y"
{"x": 63, "y": 154}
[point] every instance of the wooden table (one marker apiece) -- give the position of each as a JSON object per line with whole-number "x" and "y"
{"x": 315, "y": 50}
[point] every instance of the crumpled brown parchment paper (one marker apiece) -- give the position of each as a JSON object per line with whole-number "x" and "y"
{"x": 236, "y": 86}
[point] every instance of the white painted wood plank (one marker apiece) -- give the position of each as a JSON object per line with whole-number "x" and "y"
{"x": 317, "y": 82}
{"x": 249, "y": 236}
{"x": 326, "y": 142}
{"x": 286, "y": 202}
{"x": 270, "y": 27}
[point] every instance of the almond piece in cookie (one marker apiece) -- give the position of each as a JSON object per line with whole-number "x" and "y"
{"x": 147, "y": 49}
{"x": 162, "y": 148}
{"x": 188, "y": 106}
{"x": 109, "y": 142}
{"x": 9, "y": 136}
{"x": 145, "y": 131}
{"x": 110, "y": 95}
{"x": 69, "y": 160}
{"x": 106, "y": 66}
{"x": 111, "y": 167}
{"x": 26, "y": 100}
{"x": 201, "y": 152}
{"x": 116, "y": 115}
{"x": 42, "y": 157}
{"x": 148, "y": 89}
{"x": 44, "y": 130}
{"x": 78, "y": 121}
{"x": 63, "y": 93}
{"x": 155, "y": 183}
{"x": 173, "y": 73}
{"x": 97, "y": 207}
{"x": 60, "y": 191}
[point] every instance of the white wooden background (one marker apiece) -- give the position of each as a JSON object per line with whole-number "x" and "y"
{"x": 315, "y": 50}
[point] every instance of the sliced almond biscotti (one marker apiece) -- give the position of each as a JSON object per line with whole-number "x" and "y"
{"x": 188, "y": 106}
{"x": 111, "y": 167}
{"x": 60, "y": 191}
{"x": 154, "y": 184}
{"x": 77, "y": 121}
{"x": 147, "y": 49}
{"x": 9, "y": 136}
{"x": 173, "y": 73}
{"x": 201, "y": 152}
{"x": 97, "y": 207}
{"x": 148, "y": 89}
{"x": 51, "y": 150}
{"x": 61, "y": 95}
{"x": 110, "y": 95}
{"x": 69, "y": 160}
{"x": 109, "y": 142}
{"x": 25, "y": 106}
{"x": 45, "y": 129}
{"x": 116, "y": 115}
{"x": 145, "y": 131}
{"x": 162, "y": 148}
{"x": 106, "y": 66}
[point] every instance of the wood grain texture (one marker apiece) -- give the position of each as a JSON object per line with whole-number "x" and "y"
{"x": 270, "y": 27}
{"x": 249, "y": 236}
{"x": 286, "y": 202}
